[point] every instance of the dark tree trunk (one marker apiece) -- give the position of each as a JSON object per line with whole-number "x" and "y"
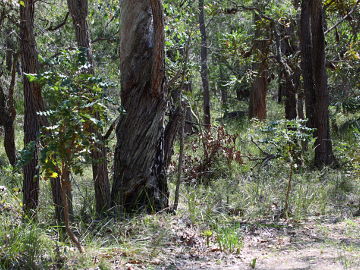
{"x": 204, "y": 66}
{"x": 290, "y": 102}
{"x": 307, "y": 68}
{"x": 315, "y": 79}
{"x": 257, "y": 102}
{"x": 257, "y": 105}
{"x": 139, "y": 175}
{"x": 79, "y": 11}
{"x": 8, "y": 115}
{"x": 280, "y": 86}
{"x": 33, "y": 104}
{"x": 287, "y": 76}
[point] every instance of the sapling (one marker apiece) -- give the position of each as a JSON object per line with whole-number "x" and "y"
{"x": 75, "y": 113}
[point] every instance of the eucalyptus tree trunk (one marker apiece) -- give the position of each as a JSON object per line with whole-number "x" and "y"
{"x": 79, "y": 12}
{"x": 315, "y": 79}
{"x": 204, "y": 66}
{"x": 139, "y": 175}
{"x": 257, "y": 102}
{"x": 33, "y": 104}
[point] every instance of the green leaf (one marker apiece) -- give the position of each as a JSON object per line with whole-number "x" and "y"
{"x": 22, "y": 3}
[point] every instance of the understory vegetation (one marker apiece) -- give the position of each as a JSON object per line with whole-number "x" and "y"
{"x": 215, "y": 207}
{"x": 177, "y": 134}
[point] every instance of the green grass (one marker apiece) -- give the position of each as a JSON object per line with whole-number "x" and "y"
{"x": 236, "y": 193}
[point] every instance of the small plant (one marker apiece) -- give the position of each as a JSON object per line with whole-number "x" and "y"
{"x": 229, "y": 239}
{"x": 253, "y": 263}
{"x": 207, "y": 234}
{"x": 284, "y": 140}
{"x": 75, "y": 115}
{"x": 217, "y": 146}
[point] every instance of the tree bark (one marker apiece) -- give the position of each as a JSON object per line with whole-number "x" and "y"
{"x": 204, "y": 67}
{"x": 139, "y": 171}
{"x": 79, "y": 12}
{"x": 33, "y": 104}
{"x": 315, "y": 79}
{"x": 8, "y": 115}
{"x": 307, "y": 68}
{"x": 257, "y": 102}
{"x": 257, "y": 105}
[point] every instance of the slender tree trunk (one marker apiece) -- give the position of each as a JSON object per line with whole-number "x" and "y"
{"x": 9, "y": 50}
{"x": 8, "y": 115}
{"x": 33, "y": 104}
{"x": 204, "y": 66}
{"x": 139, "y": 172}
{"x": 290, "y": 102}
{"x": 315, "y": 79}
{"x": 181, "y": 157}
{"x": 223, "y": 89}
{"x": 280, "y": 86}
{"x": 65, "y": 189}
{"x": 79, "y": 11}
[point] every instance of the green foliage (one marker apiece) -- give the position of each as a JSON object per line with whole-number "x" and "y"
{"x": 76, "y": 112}
{"x": 282, "y": 139}
{"x": 229, "y": 239}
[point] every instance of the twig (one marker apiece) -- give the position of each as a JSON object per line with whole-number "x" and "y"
{"x": 343, "y": 18}
{"x": 111, "y": 40}
{"x": 111, "y": 128}
{"x": 53, "y": 28}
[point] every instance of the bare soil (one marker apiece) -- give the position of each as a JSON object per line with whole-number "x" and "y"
{"x": 317, "y": 243}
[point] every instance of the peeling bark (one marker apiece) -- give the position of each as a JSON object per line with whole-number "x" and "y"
{"x": 139, "y": 171}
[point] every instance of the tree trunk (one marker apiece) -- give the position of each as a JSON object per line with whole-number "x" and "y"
{"x": 181, "y": 155}
{"x": 315, "y": 79}
{"x": 204, "y": 66}
{"x": 8, "y": 115}
{"x": 33, "y": 104}
{"x": 307, "y": 68}
{"x": 139, "y": 175}
{"x": 257, "y": 105}
{"x": 65, "y": 189}
{"x": 257, "y": 102}
{"x": 223, "y": 88}
{"x": 79, "y": 11}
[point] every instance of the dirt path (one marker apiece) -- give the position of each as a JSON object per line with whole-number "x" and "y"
{"x": 316, "y": 244}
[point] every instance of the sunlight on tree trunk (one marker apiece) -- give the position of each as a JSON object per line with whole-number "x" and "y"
{"x": 139, "y": 173}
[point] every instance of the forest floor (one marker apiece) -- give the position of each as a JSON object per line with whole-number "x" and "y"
{"x": 316, "y": 243}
